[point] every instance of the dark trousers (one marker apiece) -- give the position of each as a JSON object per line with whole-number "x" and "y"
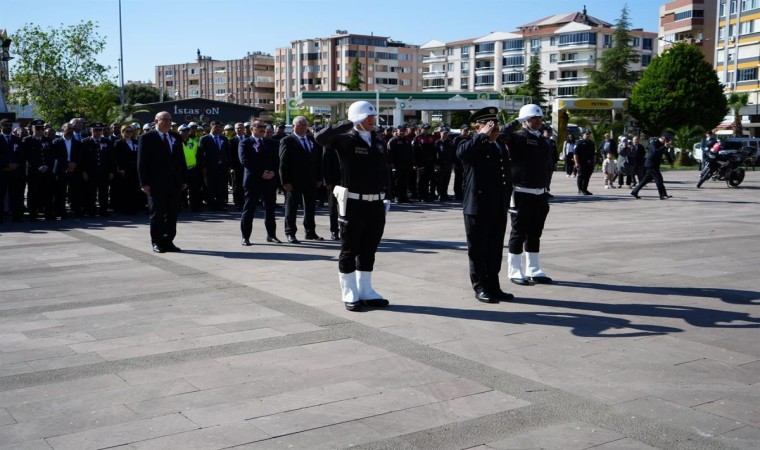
{"x": 163, "y": 207}
{"x": 96, "y": 187}
{"x": 485, "y": 248}
{"x": 238, "y": 192}
{"x": 16, "y": 188}
{"x": 653, "y": 173}
{"x": 401, "y": 184}
{"x": 41, "y": 194}
{"x": 194, "y": 190}
{"x": 528, "y": 222}
{"x": 216, "y": 187}
{"x": 584, "y": 176}
{"x": 639, "y": 171}
{"x": 570, "y": 166}
{"x": 332, "y": 206}
{"x": 309, "y": 197}
{"x": 360, "y": 233}
{"x": 627, "y": 173}
{"x": 424, "y": 178}
{"x": 267, "y": 195}
{"x": 458, "y": 180}
{"x": 443, "y": 178}
{"x": 3, "y": 191}
{"x": 68, "y": 186}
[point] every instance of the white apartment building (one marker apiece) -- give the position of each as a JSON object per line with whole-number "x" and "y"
{"x": 567, "y": 44}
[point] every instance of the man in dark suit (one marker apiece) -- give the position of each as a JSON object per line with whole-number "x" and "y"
{"x": 125, "y": 154}
{"x": 657, "y": 149}
{"x": 258, "y": 156}
{"x": 68, "y": 184}
{"x": 212, "y": 159}
{"x": 301, "y": 175}
{"x": 162, "y": 171}
{"x": 41, "y": 159}
{"x": 487, "y": 190}
{"x": 236, "y": 169}
{"x": 98, "y": 170}
{"x": 13, "y": 178}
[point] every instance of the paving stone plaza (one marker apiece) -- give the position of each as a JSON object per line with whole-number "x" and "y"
{"x": 649, "y": 337}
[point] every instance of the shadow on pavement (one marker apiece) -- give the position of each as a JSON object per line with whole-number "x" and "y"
{"x": 734, "y": 296}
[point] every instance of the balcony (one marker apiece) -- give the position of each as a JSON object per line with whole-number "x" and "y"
{"x": 433, "y": 59}
{"x": 577, "y": 45}
{"x": 579, "y": 62}
{"x": 572, "y": 79}
{"x": 484, "y": 70}
{"x": 434, "y": 89}
{"x": 431, "y": 74}
{"x": 485, "y": 54}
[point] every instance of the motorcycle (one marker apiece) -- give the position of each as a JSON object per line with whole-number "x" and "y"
{"x": 725, "y": 165}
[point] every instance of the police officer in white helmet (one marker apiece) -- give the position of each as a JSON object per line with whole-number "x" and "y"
{"x": 530, "y": 153}
{"x": 361, "y": 202}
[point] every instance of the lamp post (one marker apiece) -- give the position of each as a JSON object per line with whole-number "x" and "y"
{"x": 121, "y": 62}
{"x": 5, "y": 56}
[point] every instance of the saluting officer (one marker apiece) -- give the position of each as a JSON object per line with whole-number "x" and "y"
{"x": 530, "y": 153}
{"x": 98, "y": 170}
{"x": 487, "y": 188}
{"x": 365, "y": 181}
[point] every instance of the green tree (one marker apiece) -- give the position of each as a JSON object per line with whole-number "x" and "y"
{"x": 679, "y": 88}
{"x": 143, "y": 93}
{"x": 53, "y": 64}
{"x": 98, "y": 103}
{"x": 737, "y": 101}
{"x": 355, "y": 81}
{"x": 684, "y": 138}
{"x": 614, "y": 79}
{"x": 533, "y": 87}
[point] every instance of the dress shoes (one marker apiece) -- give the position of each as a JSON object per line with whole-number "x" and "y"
{"x": 356, "y": 307}
{"x": 376, "y": 302}
{"x": 172, "y": 248}
{"x": 665, "y": 197}
{"x": 587, "y": 193}
{"x": 486, "y": 297}
{"x": 520, "y": 281}
{"x": 158, "y": 249}
{"x": 273, "y": 239}
{"x": 245, "y": 242}
{"x": 292, "y": 239}
{"x": 501, "y": 295}
{"x": 541, "y": 280}
{"x": 314, "y": 237}
{"x": 636, "y": 196}
{"x": 334, "y": 236}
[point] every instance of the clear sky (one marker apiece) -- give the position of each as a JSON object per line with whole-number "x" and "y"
{"x": 159, "y": 32}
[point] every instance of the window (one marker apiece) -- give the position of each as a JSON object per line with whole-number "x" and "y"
{"x": 553, "y": 58}
{"x": 513, "y": 61}
{"x": 512, "y": 78}
{"x": 747, "y": 74}
{"x": 567, "y": 91}
{"x": 569, "y": 57}
{"x": 193, "y": 93}
{"x": 169, "y": 72}
{"x": 450, "y": 51}
{"x": 568, "y": 75}
{"x": 169, "y": 83}
{"x": 484, "y": 65}
{"x": 484, "y": 48}
{"x": 646, "y": 43}
{"x": 404, "y": 57}
{"x": 450, "y": 82}
{"x": 465, "y": 67}
{"x": 220, "y": 91}
{"x": 220, "y": 80}
{"x": 746, "y": 27}
{"x": 635, "y": 42}
{"x": 535, "y": 44}
{"x": 645, "y": 60}
{"x": 450, "y": 67}
{"x": 682, "y": 15}
{"x": 607, "y": 41}
{"x": 484, "y": 80}
{"x": 384, "y": 55}
{"x": 553, "y": 75}
{"x": 465, "y": 51}
{"x": 406, "y": 82}
{"x": 577, "y": 39}
{"x": 513, "y": 44}
{"x": 552, "y": 40}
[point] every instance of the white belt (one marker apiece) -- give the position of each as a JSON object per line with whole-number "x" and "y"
{"x": 534, "y": 191}
{"x": 366, "y": 197}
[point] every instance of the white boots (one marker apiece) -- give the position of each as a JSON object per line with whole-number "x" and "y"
{"x": 533, "y": 271}
{"x": 356, "y": 291}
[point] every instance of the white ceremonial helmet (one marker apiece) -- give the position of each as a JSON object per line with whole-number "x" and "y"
{"x": 358, "y": 111}
{"x": 528, "y": 111}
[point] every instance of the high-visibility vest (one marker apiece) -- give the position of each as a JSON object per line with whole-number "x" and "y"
{"x": 191, "y": 149}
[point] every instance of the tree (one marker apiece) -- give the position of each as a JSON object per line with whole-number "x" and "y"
{"x": 143, "y": 93}
{"x": 679, "y": 88}
{"x": 98, "y": 103}
{"x": 52, "y": 64}
{"x": 737, "y": 101}
{"x": 613, "y": 79}
{"x": 684, "y": 138}
{"x": 355, "y": 81}
{"x": 533, "y": 87}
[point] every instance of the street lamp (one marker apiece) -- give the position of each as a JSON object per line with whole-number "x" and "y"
{"x": 5, "y": 56}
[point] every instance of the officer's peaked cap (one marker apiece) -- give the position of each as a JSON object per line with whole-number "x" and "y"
{"x": 486, "y": 114}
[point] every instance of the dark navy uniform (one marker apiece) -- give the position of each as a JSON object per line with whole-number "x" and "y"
{"x": 585, "y": 155}
{"x": 13, "y": 180}
{"x": 458, "y": 169}
{"x": 444, "y": 162}
{"x": 42, "y": 162}
{"x": 99, "y": 168}
{"x": 657, "y": 149}
{"x": 424, "y": 161}
{"x": 487, "y": 188}
{"x": 400, "y": 155}
{"x": 331, "y": 178}
{"x": 68, "y": 176}
{"x": 364, "y": 174}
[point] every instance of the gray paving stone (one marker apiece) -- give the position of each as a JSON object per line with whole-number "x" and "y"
{"x": 746, "y": 437}
{"x": 569, "y": 436}
{"x": 744, "y": 412}
{"x": 37, "y": 444}
{"x": 171, "y": 372}
{"x": 704, "y": 424}
{"x": 123, "y": 433}
{"x": 64, "y": 361}
{"x": 60, "y": 390}
{"x": 342, "y": 435}
{"x": 221, "y": 436}
{"x": 5, "y": 417}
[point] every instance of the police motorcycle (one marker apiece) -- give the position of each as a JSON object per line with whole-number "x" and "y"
{"x": 725, "y": 165}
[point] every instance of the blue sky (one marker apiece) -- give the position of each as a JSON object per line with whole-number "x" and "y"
{"x": 170, "y": 31}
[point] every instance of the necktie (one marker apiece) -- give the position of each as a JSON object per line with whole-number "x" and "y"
{"x": 305, "y": 144}
{"x": 167, "y": 144}
{"x": 219, "y": 142}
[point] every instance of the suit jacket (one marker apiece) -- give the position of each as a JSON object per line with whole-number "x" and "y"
{"x": 156, "y": 167}
{"x": 38, "y": 153}
{"x": 77, "y": 153}
{"x": 10, "y": 151}
{"x": 256, "y": 161}
{"x": 126, "y": 158}
{"x": 232, "y": 152}
{"x": 487, "y": 185}
{"x": 298, "y": 166}
{"x": 98, "y": 156}
{"x": 210, "y": 155}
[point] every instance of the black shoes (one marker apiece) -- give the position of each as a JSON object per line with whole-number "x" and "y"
{"x": 520, "y": 281}
{"x": 485, "y": 297}
{"x": 635, "y": 195}
{"x": 375, "y": 302}
{"x": 292, "y": 239}
{"x": 273, "y": 239}
{"x": 541, "y": 280}
{"x": 665, "y": 197}
{"x": 501, "y": 295}
{"x": 587, "y": 193}
{"x": 334, "y": 236}
{"x": 356, "y": 307}
{"x": 172, "y": 248}
{"x": 313, "y": 237}
{"x": 158, "y": 249}
{"x": 245, "y": 242}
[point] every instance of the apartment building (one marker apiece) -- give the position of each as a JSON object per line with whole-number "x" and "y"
{"x": 246, "y": 81}
{"x": 320, "y": 64}
{"x": 691, "y": 21}
{"x": 567, "y": 45}
{"x": 737, "y": 48}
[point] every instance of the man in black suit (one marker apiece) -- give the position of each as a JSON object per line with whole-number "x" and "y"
{"x": 212, "y": 159}
{"x": 236, "y": 169}
{"x": 98, "y": 170}
{"x": 68, "y": 184}
{"x": 13, "y": 177}
{"x": 301, "y": 175}
{"x": 258, "y": 156}
{"x": 162, "y": 171}
{"x": 487, "y": 190}
{"x": 41, "y": 159}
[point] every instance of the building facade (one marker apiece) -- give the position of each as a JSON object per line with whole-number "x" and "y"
{"x": 321, "y": 64}
{"x": 567, "y": 45}
{"x": 737, "y": 49}
{"x": 248, "y": 81}
{"x": 691, "y": 21}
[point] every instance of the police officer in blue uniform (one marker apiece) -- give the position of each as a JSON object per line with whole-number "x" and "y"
{"x": 98, "y": 170}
